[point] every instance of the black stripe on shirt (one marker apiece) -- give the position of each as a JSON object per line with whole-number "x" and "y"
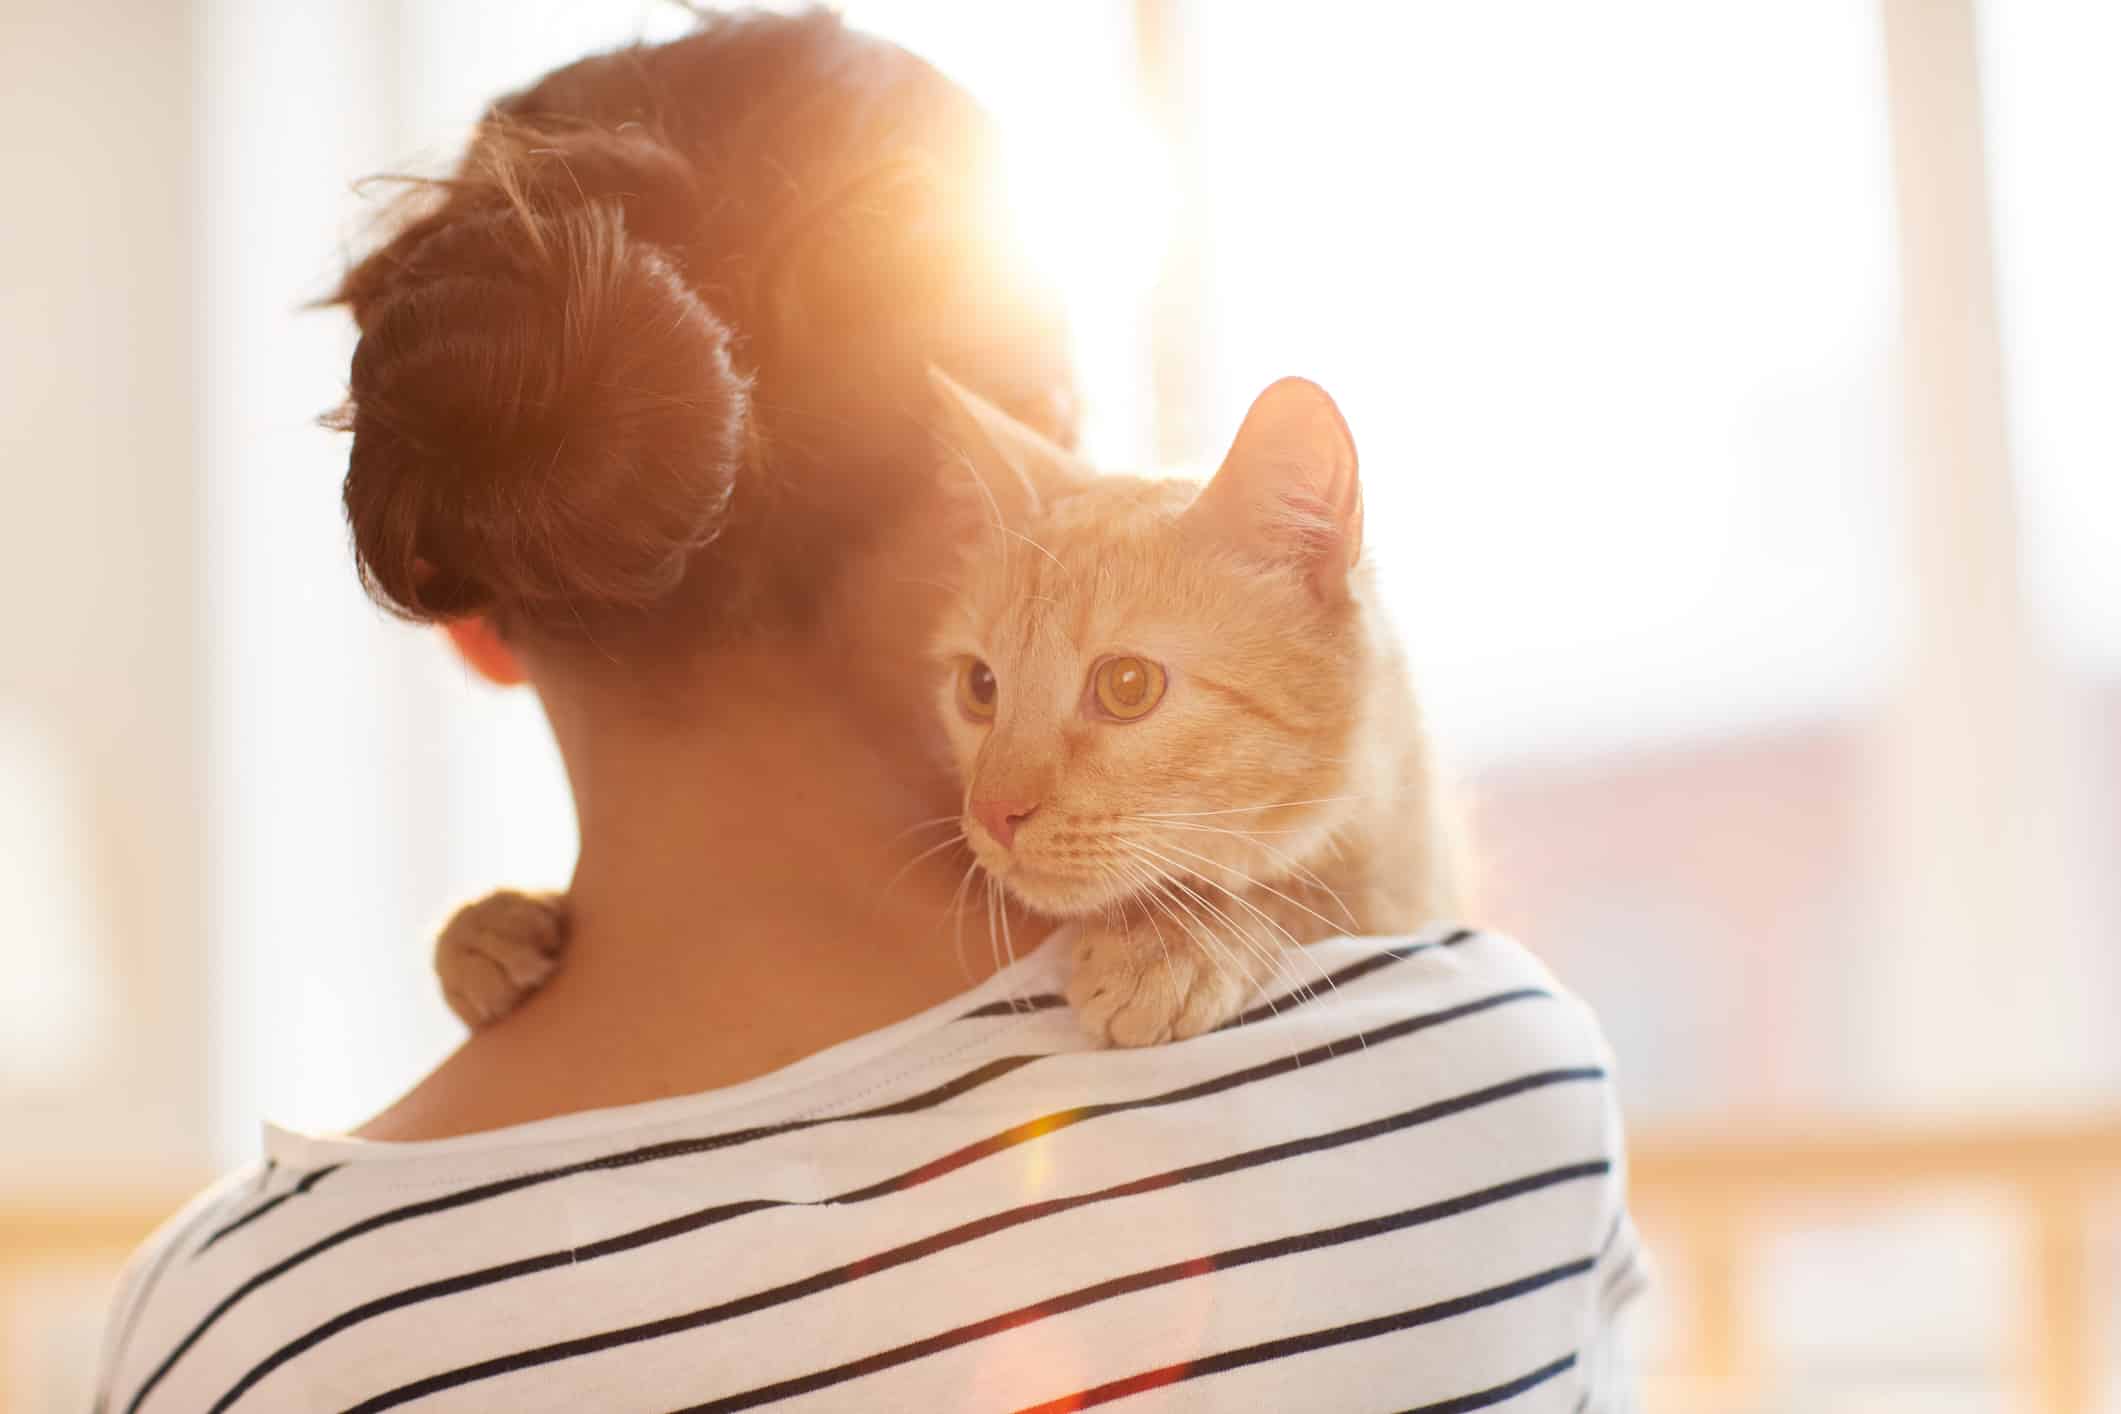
{"x": 147, "y": 1289}
{"x": 1017, "y": 1006}
{"x": 1048, "y": 1001}
{"x": 897, "y": 1256}
{"x": 1360, "y": 1230}
{"x": 1626, "y": 1282}
{"x": 1353, "y": 972}
{"x": 307, "y": 1182}
{"x": 981, "y": 1075}
{"x": 1266, "y": 1070}
{"x": 1338, "y": 1335}
{"x": 992, "y": 1070}
{"x": 1009, "y": 1138}
{"x": 256, "y": 1187}
{"x": 1624, "y": 1278}
{"x": 1483, "y": 1399}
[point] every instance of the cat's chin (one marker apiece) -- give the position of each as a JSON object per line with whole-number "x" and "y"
{"x": 1056, "y": 895}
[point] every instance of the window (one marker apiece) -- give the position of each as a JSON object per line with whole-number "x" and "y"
{"x": 1794, "y": 744}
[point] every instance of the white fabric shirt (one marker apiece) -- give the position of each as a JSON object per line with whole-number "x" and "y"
{"x": 1398, "y": 1189}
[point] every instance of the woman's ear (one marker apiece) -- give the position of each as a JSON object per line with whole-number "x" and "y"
{"x": 479, "y": 644}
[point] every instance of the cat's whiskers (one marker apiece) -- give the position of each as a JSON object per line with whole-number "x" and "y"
{"x": 956, "y": 837}
{"x": 1284, "y": 957}
{"x": 1177, "y": 881}
{"x": 1261, "y": 950}
{"x": 1294, "y": 946}
{"x": 1137, "y": 890}
{"x": 1294, "y": 865}
{"x": 1271, "y": 959}
{"x": 1336, "y": 845}
{"x": 951, "y": 819}
{"x": 1113, "y": 910}
{"x": 957, "y": 910}
{"x": 965, "y": 461}
{"x": 1249, "y": 809}
{"x": 1171, "y": 824}
{"x": 1167, "y": 881}
{"x": 1276, "y": 972}
{"x": 1243, "y": 902}
{"x": 1254, "y": 883}
{"x": 1148, "y": 916}
{"x": 1146, "y": 889}
{"x": 1008, "y": 943}
{"x": 1198, "y": 926}
{"x": 1149, "y": 893}
{"x": 1006, "y": 530}
{"x": 994, "y": 951}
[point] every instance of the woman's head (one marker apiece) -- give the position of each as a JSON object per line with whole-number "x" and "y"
{"x": 649, "y": 371}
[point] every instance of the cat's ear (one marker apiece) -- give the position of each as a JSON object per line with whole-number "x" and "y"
{"x": 1288, "y": 490}
{"x": 1019, "y": 469}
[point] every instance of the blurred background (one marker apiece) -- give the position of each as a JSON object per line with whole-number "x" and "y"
{"x": 1737, "y": 392}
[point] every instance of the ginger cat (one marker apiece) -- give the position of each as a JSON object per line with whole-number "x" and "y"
{"x": 1180, "y": 716}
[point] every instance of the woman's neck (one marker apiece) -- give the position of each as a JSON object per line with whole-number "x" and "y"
{"x": 750, "y": 891}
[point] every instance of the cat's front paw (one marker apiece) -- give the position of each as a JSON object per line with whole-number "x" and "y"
{"x": 1141, "y": 990}
{"x": 497, "y": 951}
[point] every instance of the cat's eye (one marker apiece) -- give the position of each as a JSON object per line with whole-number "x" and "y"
{"x": 976, "y": 690}
{"x": 1127, "y": 687}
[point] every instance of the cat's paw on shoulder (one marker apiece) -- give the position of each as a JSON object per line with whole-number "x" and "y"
{"x": 1142, "y": 990}
{"x": 498, "y": 950}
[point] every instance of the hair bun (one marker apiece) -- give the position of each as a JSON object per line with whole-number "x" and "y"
{"x": 545, "y": 417}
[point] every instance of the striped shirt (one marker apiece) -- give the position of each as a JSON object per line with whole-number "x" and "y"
{"x": 1398, "y": 1188}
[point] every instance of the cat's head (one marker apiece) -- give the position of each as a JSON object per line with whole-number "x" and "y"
{"x": 1151, "y": 678}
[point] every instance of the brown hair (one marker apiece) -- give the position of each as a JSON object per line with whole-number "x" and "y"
{"x": 667, "y": 329}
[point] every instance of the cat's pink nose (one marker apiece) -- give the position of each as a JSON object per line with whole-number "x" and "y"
{"x": 1001, "y": 817}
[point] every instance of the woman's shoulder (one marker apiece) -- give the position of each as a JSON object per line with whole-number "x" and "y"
{"x": 1443, "y": 1085}
{"x": 222, "y": 1208}
{"x": 1451, "y": 1001}
{"x": 1442, "y": 979}
{"x": 1407, "y": 1032}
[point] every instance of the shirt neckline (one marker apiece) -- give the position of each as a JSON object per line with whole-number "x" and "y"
{"x": 1037, "y": 971}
